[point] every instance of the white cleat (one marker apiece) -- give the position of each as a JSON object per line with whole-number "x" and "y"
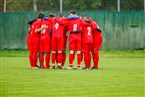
{"x": 79, "y": 68}
{"x": 33, "y": 67}
{"x": 70, "y": 68}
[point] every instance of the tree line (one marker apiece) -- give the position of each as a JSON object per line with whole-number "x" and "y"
{"x": 82, "y": 5}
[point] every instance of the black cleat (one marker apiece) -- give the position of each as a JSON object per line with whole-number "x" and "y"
{"x": 93, "y": 68}
{"x": 53, "y": 67}
{"x": 38, "y": 66}
{"x": 86, "y": 68}
{"x": 59, "y": 67}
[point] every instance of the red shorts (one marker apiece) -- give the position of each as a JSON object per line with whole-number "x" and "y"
{"x": 97, "y": 43}
{"x": 87, "y": 47}
{"x": 35, "y": 47}
{"x": 57, "y": 44}
{"x": 45, "y": 44}
{"x": 75, "y": 45}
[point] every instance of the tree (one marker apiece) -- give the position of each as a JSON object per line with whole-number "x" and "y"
{"x": 1, "y": 5}
{"x": 132, "y": 5}
{"x": 82, "y": 5}
{"x": 108, "y": 5}
{"x": 19, "y": 5}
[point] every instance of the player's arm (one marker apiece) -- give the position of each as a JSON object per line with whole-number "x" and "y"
{"x": 40, "y": 29}
{"x": 67, "y": 33}
{"x": 29, "y": 30}
{"x": 75, "y": 32}
{"x": 98, "y": 30}
{"x": 96, "y": 27}
{"x": 31, "y": 21}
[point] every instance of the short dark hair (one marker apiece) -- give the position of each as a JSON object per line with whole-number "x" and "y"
{"x": 83, "y": 15}
{"x": 41, "y": 15}
{"x": 73, "y": 12}
{"x": 31, "y": 21}
{"x": 61, "y": 15}
{"x": 52, "y": 15}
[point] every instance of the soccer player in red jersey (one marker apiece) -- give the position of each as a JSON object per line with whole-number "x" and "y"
{"x": 97, "y": 41}
{"x": 35, "y": 37}
{"x": 45, "y": 44}
{"x": 74, "y": 25}
{"x": 29, "y": 44}
{"x": 87, "y": 41}
{"x": 29, "y": 40}
{"x": 57, "y": 41}
{"x": 64, "y": 46}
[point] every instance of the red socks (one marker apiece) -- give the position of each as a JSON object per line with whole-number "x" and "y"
{"x": 34, "y": 59}
{"x": 31, "y": 58}
{"x": 87, "y": 60}
{"x": 71, "y": 59}
{"x": 42, "y": 60}
{"x": 96, "y": 59}
{"x": 79, "y": 59}
{"x": 63, "y": 58}
{"x": 59, "y": 57}
{"x": 47, "y": 59}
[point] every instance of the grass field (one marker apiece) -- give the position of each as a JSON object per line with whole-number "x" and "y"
{"x": 121, "y": 74}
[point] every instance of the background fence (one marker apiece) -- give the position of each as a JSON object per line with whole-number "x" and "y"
{"x": 121, "y": 30}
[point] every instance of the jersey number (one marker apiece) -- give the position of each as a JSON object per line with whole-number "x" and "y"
{"x": 89, "y": 30}
{"x": 75, "y": 27}
{"x": 56, "y": 26}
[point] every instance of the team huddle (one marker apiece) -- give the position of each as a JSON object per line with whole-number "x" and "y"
{"x": 48, "y": 36}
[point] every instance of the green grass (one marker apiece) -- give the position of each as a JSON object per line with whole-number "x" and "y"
{"x": 121, "y": 74}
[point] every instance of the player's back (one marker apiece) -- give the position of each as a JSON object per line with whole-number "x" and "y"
{"x": 46, "y": 32}
{"x": 87, "y": 33}
{"x": 58, "y": 28}
{"x": 74, "y": 25}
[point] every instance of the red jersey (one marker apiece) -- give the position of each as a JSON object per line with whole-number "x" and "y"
{"x": 29, "y": 34}
{"x": 74, "y": 25}
{"x": 58, "y": 28}
{"x": 46, "y": 32}
{"x": 36, "y": 36}
{"x": 95, "y": 32}
{"x": 87, "y": 33}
